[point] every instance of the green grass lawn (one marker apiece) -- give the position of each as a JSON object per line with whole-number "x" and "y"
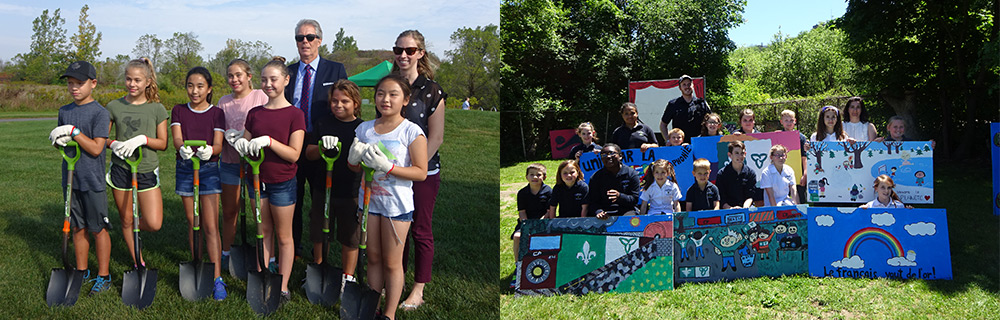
{"x": 31, "y": 212}
{"x": 963, "y": 188}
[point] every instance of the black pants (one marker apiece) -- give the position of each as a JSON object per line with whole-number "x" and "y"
{"x": 312, "y": 172}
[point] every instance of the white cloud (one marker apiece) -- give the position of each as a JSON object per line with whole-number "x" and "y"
{"x": 854, "y": 262}
{"x": 824, "y": 220}
{"x": 883, "y": 219}
{"x": 900, "y": 262}
{"x": 921, "y": 229}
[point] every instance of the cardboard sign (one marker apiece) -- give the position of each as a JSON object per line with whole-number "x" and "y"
{"x": 562, "y": 141}
{"x": 758, "y": 146}
{"x": 585, "y": 255}
{"x": 680, "y": 156}
{"x": 879, "y": 243}
{"x": 995, "y": 148}
{"x": 740, "y": 243}
{"x": 843, "y": 172}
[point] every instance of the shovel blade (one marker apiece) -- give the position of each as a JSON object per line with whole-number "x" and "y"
{"x": 139, "y": 287}
{"x": 196, "y": 280}
{"x": 263, "y": 292}
{"x": 64, "y": 287}
{"x": 323, "y": 284}
{"x": 240, "y": 257}
{"x": 358, "y": 302}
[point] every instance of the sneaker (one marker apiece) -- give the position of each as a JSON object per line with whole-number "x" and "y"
{"x": 273, "y": 267}
{"x": 101, "y": 284}
{"x": 219, "y": 293}
{"x": 225, "y": 261}
{"x": 285, "y": 298}
{"x": 344, "y": 280}
{"x": 513, "y": 284}
{"x": 86, "y": 276}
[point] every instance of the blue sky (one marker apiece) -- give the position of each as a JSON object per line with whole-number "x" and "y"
{"x": 373, "y": 24}
{"x": 765, "y": 17}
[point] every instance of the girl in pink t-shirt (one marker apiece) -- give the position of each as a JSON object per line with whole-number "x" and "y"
{"x": 277, "y": 129}
{"x": 236, "y": 106}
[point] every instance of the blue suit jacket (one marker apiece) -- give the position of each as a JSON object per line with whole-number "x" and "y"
{"x": 327, "y": 73}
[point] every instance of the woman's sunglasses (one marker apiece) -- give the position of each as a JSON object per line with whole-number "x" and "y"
{"x": 409, "y": 50}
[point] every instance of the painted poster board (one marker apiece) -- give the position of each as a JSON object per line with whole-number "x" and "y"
{"x": 843, "y": 172}
{"x": 679, "y": 156}
{"x": 651, "y": 96}
{"x": 562, "y": 141}
{"x": 590, "y": 255}
{"x": 879, "y": 243}
{"x": 716, "y": 148}
{"x": 995, "y": 148}
{"x": 740, "y": 243}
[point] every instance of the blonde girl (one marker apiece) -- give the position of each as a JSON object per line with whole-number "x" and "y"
{"x": 391, "y": 208}
{"x": 660, "y": 193}
{"x": 829, "y": 126}
{"x": 778, "y": 180}
{"x": 278, "y": 129}
{"x": 139, "y": 121}
{"x": 588, "y": 136}
{"x": 885, "y": 196}
{"x": 569, "y": 193}
{"x": 239, "y": 76}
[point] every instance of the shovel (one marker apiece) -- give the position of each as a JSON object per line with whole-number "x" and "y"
{"x": 323, "y": 280}
{"x": 359, "y": 301}
{"x": 242, "y": 255}
{"x": 196, "y": 277}
{"x": 139, "y": 285}
{"x": 263, "y": 287}
{"x": 64, "y": 284}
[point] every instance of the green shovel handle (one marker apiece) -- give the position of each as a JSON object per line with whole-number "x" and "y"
{"x": 134, "y": 164}
{"x": 71, "y": 161}
{"x": 329, "y": 160}
{"x": 195, "y": 143}
{"x": 255, "y": 164}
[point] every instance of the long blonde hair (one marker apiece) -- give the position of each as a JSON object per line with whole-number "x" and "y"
{"x": 152, "y": 90}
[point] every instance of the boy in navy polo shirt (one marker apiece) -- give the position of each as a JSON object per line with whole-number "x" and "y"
{"x": 703, "y": 195}
{"x": 737, "y": 184}
{"x": 532, "y": 202}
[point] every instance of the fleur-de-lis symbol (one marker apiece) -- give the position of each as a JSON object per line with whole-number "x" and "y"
{"x": 586, "y": 254}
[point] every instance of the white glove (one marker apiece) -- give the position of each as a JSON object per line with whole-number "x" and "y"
{"x": 185, "y": 152}
{"x": 62, "y": 134}
{"x": 375, "y": 159}
{"x": 232, "y": 135}
{"x": 126, "y": 148}
{"x": 205, "y": 153}
{"x": 357, "y": 149}
{"x": 241, "y": 145}
{"x": 330, "y": 142}
{"x": 258, "y": 143}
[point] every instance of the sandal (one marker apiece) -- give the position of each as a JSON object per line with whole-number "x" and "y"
{"x": 410, "y": 307}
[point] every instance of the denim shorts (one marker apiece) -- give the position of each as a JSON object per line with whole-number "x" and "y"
{"x": 230, "y": 173}
{"x": 406, "y": 217}
{"x": 280, "y": 194}
{"x": 208, "y": 174}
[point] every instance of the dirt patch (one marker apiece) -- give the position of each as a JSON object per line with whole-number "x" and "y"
{"x": 508, "y": 191}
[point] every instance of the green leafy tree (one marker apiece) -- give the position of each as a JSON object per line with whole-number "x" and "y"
{"x": 112, "y": 70}
{"x": 257, "y": 53}
{"x": 87, "y": 40}
{"x": 472, "y": 68}
{"x": 149, "y": 46}
{"x": 180, "y": 54}
{"x": 48, "y": 55}
{"x": 343, "y": 42}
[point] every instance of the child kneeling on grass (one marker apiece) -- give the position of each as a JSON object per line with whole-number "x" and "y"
{"x": 532, "y": 202}
{"x": 86, "y": 122}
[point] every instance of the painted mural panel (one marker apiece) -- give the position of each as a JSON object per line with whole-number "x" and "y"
{"x": 879, "y": 243}
{"x": 740, "y": 243}
{"x": 843, "y": 172}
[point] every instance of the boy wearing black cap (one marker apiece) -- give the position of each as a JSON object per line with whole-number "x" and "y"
{"x": 86, "y": 122}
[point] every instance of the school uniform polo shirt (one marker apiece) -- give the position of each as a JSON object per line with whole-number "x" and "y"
{"x": 702, "y": 199}
{"x": 534, "y": 205}
{"x": 570, "y": 200}
{"x": 736, "y": 187}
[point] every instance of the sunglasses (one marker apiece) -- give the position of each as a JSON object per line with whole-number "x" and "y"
{"x": 310, "y": 37}
{"x": 409, "y": 51}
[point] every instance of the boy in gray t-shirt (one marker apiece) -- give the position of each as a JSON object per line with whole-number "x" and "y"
{"x": 86, "y": 122}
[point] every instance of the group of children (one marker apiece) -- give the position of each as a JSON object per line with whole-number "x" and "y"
{"x": 254, "y": 123}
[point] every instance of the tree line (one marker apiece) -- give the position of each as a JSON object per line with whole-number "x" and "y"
{"x": 469, "y": 70}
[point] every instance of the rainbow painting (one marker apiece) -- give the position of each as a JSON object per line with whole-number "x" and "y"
{"x": 897, "y": 244}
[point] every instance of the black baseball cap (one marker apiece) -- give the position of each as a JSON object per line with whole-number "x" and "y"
{"x": 81, "y": 70}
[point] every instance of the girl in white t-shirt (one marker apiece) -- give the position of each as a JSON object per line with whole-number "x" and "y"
{"x": 829, "y": 126}
{"x": 885, "y": 197}
{"x": 662, "y": 197}
{"x": 397, "y": 150}
{"x": 778, "y": 180}
{"x": 857, "y": 127}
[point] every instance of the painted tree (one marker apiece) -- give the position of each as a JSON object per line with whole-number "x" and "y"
{"x": 87, "y": 40}
{"x": 856, "y": 147}
{"x": 817, "y": 149}
{"x": 889, "y": 145}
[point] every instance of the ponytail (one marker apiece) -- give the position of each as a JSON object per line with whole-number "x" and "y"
{"x": 152, "y": 90}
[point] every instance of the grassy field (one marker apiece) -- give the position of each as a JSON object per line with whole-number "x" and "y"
{"x": 963, "y": 187}
{"x": 31, "y": 214}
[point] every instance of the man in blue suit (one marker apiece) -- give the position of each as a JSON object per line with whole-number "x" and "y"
{"x": 308, "y": 90}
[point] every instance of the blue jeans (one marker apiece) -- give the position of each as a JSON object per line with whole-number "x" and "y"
{"x": 208, "y": 173}
{"x": 280, "y": 194}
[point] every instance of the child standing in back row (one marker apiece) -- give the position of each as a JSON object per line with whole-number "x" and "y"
{"x": 200, "y": 120}
{"x": 140, "y": 121}
{"x": 391, "y": 205}
{"x": 788, "y": 122}
{"x": 86, "y": 122}
{"x": 588, "y": 137}
{"x": 660, "y": 194}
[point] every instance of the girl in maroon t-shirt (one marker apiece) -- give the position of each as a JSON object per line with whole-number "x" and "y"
{"x": 200, "y": 120}
{"x": 277, "y": 129}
